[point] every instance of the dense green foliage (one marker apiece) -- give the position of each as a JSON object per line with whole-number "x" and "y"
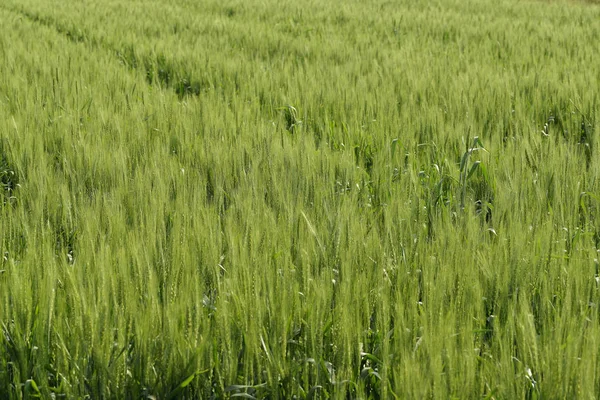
{"x": 278, "y": 199}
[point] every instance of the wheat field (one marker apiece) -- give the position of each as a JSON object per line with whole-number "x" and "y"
{"x": 297, "y": 200}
